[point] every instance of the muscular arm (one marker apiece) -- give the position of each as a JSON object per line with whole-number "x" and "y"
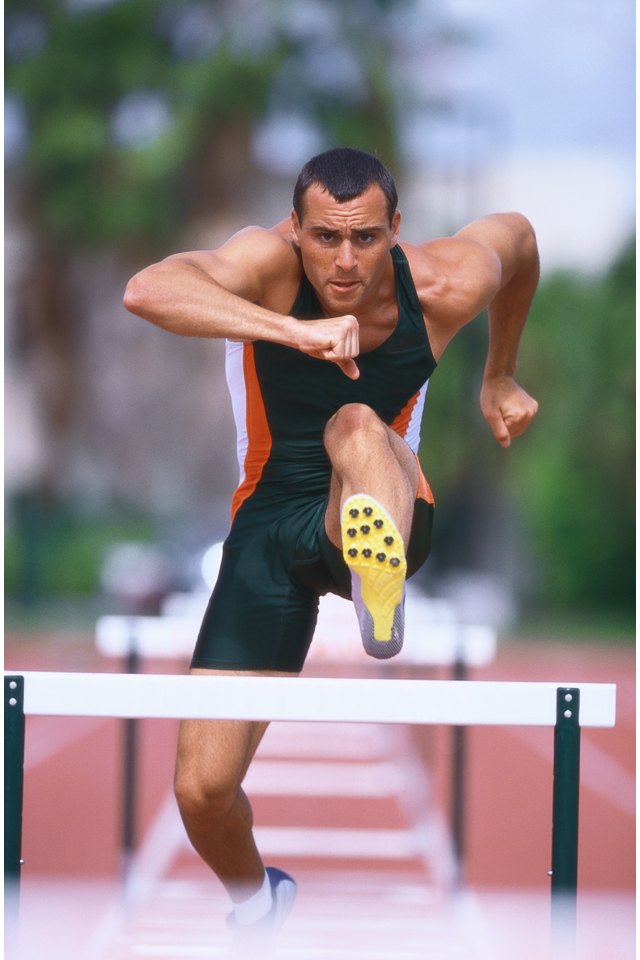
{"x": 492, "y": 263}
{"x": 508, "y": 240}
{"x": 507, "y": 408}
{"x": 238, "y": 292}
{"x": 214, "y": 293}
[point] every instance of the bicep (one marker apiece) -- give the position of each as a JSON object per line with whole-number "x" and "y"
{"x": 241, "y": 265}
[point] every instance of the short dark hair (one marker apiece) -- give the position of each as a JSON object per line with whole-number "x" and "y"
{"x": 346, "y": 173}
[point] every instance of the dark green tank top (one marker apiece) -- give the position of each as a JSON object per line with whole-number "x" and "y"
{"x": 300, "y": 393}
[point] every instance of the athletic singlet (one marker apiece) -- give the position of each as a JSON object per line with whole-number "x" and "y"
{"x": 277, "y": 559}
{"x": 282, "y": 398}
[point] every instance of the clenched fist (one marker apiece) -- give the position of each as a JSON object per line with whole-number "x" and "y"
{"x": 336, "y": 339}
{"x": 507, "y": 408}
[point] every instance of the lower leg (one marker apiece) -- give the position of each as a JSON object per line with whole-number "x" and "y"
{"x": 213, "y": 757}
{"x": 226, "y": 844}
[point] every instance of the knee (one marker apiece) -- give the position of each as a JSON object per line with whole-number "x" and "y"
{"x": 351, "y": 421}
{"x": 199, "y": 795}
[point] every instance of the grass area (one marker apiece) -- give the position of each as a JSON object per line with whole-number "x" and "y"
{"x": 73, "y": 614}
{"x": 59, "y": 554}
{"x": 583, "y": 626}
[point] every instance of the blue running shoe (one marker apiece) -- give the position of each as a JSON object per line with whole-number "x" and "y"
{"x": 256, "y": 940}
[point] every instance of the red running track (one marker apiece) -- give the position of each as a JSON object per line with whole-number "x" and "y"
{"x": 72, "y": 787}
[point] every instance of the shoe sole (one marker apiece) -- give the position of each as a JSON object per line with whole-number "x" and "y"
{"x": 373, "y": 550}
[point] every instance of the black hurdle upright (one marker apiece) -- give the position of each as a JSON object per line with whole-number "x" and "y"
{"x": 14, "y": 735}
{"x": 129, "y": 776}
{"x": 14, "y": 732}
{"x": 458, "y": 778}
{"x": 566, "y": 800}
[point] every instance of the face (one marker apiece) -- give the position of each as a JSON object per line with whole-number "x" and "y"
{"x": 345, "y": 247}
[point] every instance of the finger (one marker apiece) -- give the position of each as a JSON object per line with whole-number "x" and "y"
{"x": 503, "y": 437}
{"x": 354, "y": 343}
{"x": 517, "y": 423}
{"x": 500, "y": 431}
{"x": 351, "y": 342}
{"x": 349, "y": 368}
{"x": 516, "y": 427}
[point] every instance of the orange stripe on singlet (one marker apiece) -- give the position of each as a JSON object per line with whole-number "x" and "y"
{"x": 400, "y": 424}
{"x": 258, "y": 433}
{"x": 424, "y": 490}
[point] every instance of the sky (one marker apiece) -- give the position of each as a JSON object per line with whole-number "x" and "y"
{"x": 560, "y": 75}
{"x": 545, "y": 123}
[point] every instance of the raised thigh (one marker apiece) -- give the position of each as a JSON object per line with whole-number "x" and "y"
{"x": 405, "y": 458}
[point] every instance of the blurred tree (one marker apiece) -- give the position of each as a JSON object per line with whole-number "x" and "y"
{"x": 571, "y": 479}
{"x": 575, "y": 478}
{"x": 128, "y": 118}
{"x": 129, "y": 121}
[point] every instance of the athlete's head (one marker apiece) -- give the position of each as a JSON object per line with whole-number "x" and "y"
{"x": 345, "y": 173}
{"x": 344, "y": 223}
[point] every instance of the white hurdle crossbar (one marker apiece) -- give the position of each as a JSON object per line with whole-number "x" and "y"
{"x": 564, "y": 706}
{"x": 449, "y": 702}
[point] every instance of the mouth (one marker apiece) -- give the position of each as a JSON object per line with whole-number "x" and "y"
{"x": 344, "y": 286}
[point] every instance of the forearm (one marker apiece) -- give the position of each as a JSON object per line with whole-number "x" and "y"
{"x": 509, "y": 308}
{"x": 181, "y": 298}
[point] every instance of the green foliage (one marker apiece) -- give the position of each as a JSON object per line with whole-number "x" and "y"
{"x": 92, "y": 176}
{"x": 89, "y": 184}
{"x": 574, "y": 474}
{"x": 53, "y": 551}
{"x": 570, "y": 480}
{"x": 455, "y": 446}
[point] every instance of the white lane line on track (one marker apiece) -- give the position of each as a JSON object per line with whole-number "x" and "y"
{"x": 425, "y": 818}
{"x": 337, "y": 843}
{"x": 345, "y": 741}
{"x": 322, "y": 779}
{"x": 162, "y": 841}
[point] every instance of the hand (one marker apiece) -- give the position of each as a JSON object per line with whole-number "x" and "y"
{"x": 336, "y": 339}
{"x": 507, "y": 408}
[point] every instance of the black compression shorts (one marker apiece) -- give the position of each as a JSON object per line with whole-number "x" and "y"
{"x": 264, "y": 607}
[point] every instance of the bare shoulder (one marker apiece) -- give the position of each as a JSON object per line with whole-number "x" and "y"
{"x": 457, "y": 277}
{"x": 492, "y": 243}
{"x": 257, "y": 263}
{"x": 453, "y": 277}
{"x": 260, "y": 244}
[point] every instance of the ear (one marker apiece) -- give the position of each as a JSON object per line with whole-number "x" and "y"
{"x": 295, "y": 227}
{"x": 395, "y": 227}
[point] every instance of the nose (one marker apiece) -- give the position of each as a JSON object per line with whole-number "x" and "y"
{"x": 346, "y": 258}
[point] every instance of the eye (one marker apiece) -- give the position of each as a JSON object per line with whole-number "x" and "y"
{"x": 366, "y": 238}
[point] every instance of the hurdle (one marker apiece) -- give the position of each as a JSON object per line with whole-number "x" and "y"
{"x": 566, "y": 707}
{"x": 132, "y": 639}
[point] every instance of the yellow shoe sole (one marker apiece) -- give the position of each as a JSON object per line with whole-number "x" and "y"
{"x": 373, "y": 550}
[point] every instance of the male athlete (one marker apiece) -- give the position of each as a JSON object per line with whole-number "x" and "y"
{"x": 333, "y": 329}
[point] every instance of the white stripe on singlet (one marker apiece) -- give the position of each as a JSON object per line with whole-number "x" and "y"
{"x": 234, "y": 372}
{"x": 412, "y": 434}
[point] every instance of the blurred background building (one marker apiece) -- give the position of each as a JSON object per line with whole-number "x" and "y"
{"x": 137, "y": 128}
